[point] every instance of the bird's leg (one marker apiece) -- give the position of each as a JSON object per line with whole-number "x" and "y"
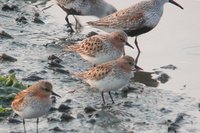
{"x": 137, "y": 58}
{"x": 102, "y": 95}
{"x": 111, "y": 97}
{"x": 78, "y": 25}
{"x": 37, "y": 122}
{"x": 24, "y": 126}
{"x": 67, "y": 20}
{"x": 136, "y": 44}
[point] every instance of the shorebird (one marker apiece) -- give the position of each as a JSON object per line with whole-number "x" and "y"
{"x": 101, "y": 48}
{"x": 98, "y": 8}
{"x": 111, "y": 75}
{"x": 34, "y": 101}
{"x": 135, "y": 20}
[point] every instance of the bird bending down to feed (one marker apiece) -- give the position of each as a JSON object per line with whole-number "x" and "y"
{"x": 34, "y": 101}
{"x": 98, "y": 8}
{"x": 111, "y": 75}
{"x": 101, "y": 48}
{"x": 135, "y": 20}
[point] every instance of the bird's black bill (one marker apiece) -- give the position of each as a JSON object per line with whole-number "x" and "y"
{"x": 137, "y": 68}
{"x": 173, "y": 2}
{"x": 53, "y": 93}
{"x": 129, "y": 45}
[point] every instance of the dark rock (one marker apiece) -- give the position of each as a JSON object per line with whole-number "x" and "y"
{"x": 130, "y": 104}
{"x": 54, "y": 64}
{"x": 56, "y": 58}
{"x": 163, "y": 78}
{"x": 171, "y": 67}
{"x": 66, "y": 117}
{"x": 68, "y": 101}
{"x": 5, "y": 57}
{"x": 53, "y": 99}
{"x": 4, "y": 35}
{"x": 80, "y": 116}
{"x": 7, "y": 7}
{"x": 64, "y": 108}
{"x": 52, "y": 109}
{"x": 56, "y": 129}
{"x": 14, "y": 70}
{"x": 92, "y": 121}
{"x": 89, "y": 109}
{"x": 52, "y": 119}
{"x": 164, "y": 110}
{"x": 173, "y": 128}
{"x": 59, "y": 70}
{"x": 13, "y": 120}
{"x": 92, "y": 33}
{"x": 21, "y": 20}
{"x": 38, "y": 21}
{"x": 32, "y": 78}
{"x": 36, "y": 14}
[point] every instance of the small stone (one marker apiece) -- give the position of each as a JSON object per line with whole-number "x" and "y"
{"x": 38, "y": 21}
{"x": 90, "y": 34}
{"x": 13, "y": 120}
{"x": 4, "y": 35}
{"x": 92, "y": 121}
{"x": 5, "y": 57}
{"x": 32, "y": 78}
{"x": 64, "y": 108}
{"x": 163, "y": 78}
{"x": 66, "y": 117}
{"x": 52, "y": 109}
{"x": 56, "y": 129}
{"x": 68, "y": 101}
{"x": 7, "y": 7}
{"x": 53, "y": 99}
{"x": 21, "y": 20}
{"x": 89, "y": 109}
{"x": 164, "y": 110}
{"x": 14, "y": 70}
{"x": 171, "y": 67}
{"x": 52, "y": 119}
{"x": 80, "y": 116}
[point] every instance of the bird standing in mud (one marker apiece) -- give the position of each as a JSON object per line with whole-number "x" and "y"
{"x": 98, "y": 8}
{"x": 111, "y": 75}
{"x": 34, "y": 101}
{"x": 101, "y": 48}
{"x": 135, "y": 20}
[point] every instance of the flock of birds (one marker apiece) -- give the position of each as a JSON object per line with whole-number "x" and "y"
{"x": 112, "y": 68}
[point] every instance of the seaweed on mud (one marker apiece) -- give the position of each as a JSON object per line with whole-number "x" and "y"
{"x": 9, "y": 86}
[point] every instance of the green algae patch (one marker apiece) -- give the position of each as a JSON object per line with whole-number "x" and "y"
{"x": 9, "y": 87}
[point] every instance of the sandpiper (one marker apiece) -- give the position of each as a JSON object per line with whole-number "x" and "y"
{"x": 98, "y": 8}
{"x": 34, "y": 101}
{"x": 111, "y": 75}
{"x": 135, "y": 20}
{"x": 101, "y": 48}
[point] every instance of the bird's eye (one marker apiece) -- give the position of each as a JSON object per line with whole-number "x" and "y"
{"x": 46, "y": 89}
{"x": 130, "y": 63}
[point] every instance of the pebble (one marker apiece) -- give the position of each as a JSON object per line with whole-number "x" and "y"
{"x": 89, "y": 109}
{"x": 66, "y": 117}
{"x": 64, "y": 108}
{"x": 5, "y": 57}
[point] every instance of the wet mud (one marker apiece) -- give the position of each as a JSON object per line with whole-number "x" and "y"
{"x": 31, "y": 47}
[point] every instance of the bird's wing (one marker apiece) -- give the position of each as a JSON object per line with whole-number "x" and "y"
{"x": 19, "y": 98}
{"x": 90, "y": 46}
{"x": 96, "y": 73}
{"x": 127, "y": 19}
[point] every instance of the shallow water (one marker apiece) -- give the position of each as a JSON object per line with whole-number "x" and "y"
{"x": 174, "y": 41}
